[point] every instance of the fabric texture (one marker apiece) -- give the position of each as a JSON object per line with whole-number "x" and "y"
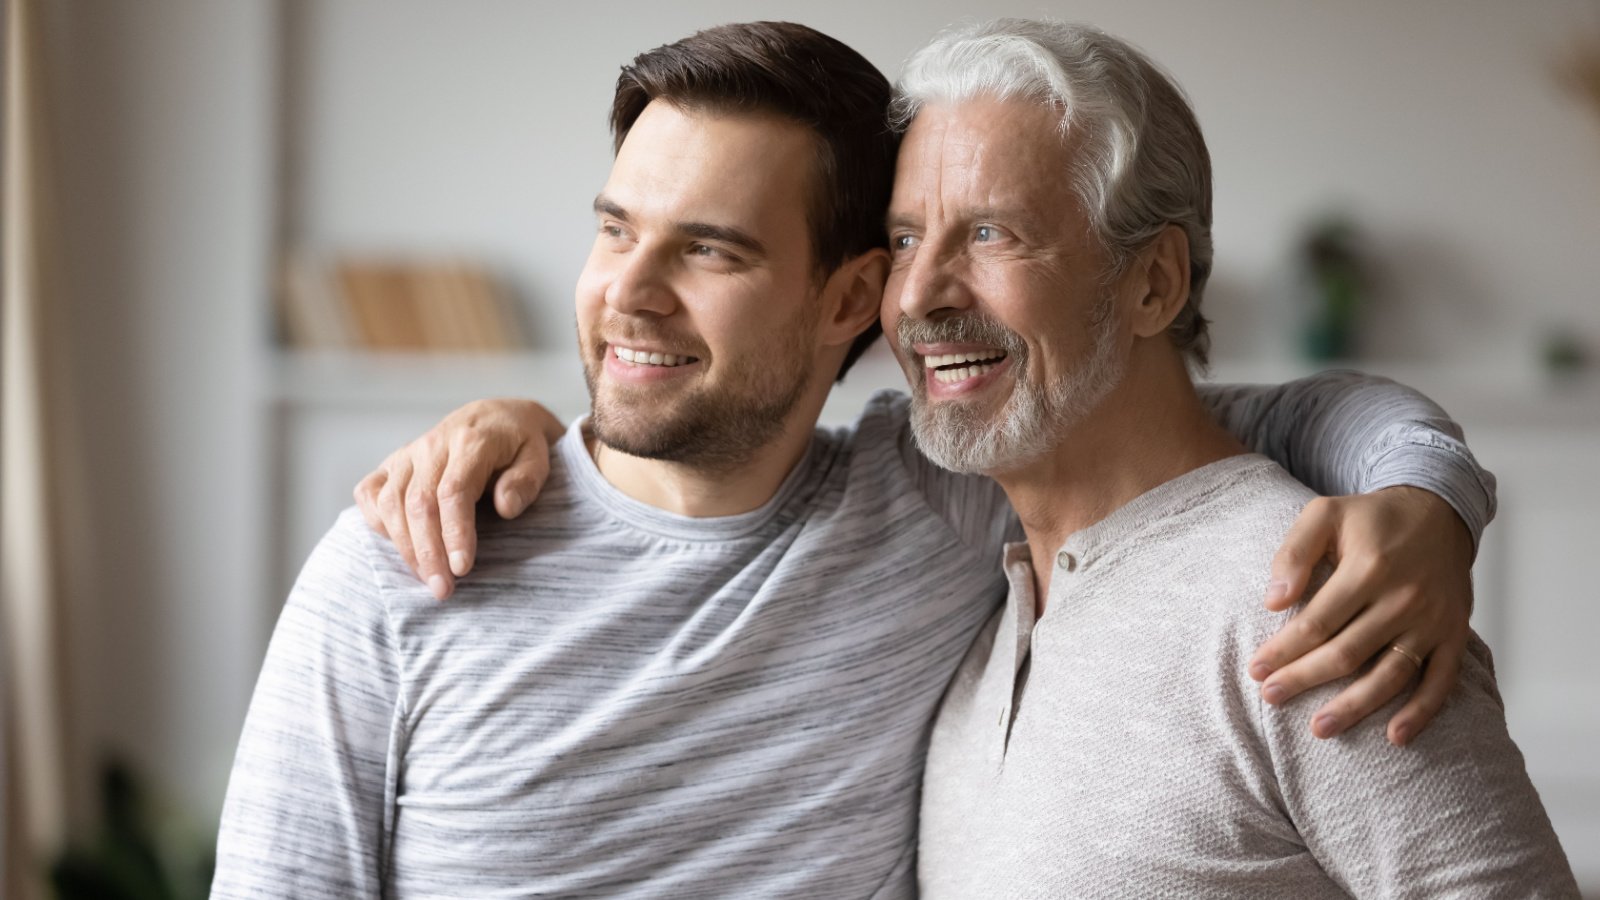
{"x": 623, "y": 702}
{"x": 620, "y": 702}
{"x": 1116, "y": 747}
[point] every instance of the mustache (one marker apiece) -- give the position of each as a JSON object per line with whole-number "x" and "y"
{"x": 626, "y": 331}
{"x": 973, "y": 328}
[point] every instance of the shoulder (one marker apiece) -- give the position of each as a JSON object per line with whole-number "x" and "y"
{"x": 336, "y": 625}
{"x": 353, "y": 566}
{"x": 1245, "y": 510}
{"x": 872, "y": 445}
{"x": 884, "y": 420}
{"x": 574, "y": 507}
{"x": 1224, "y": 542}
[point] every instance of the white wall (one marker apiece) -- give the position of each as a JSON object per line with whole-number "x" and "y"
{"x": 1437, "y": 122}
{"x": 479, "y": 125}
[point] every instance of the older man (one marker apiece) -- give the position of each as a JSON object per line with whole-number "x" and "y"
{"x": 1050, "y": 227}
{"x": 706, "y": 662}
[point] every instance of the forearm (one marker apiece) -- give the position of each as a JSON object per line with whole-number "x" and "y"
{"x": 1348, "y": 433}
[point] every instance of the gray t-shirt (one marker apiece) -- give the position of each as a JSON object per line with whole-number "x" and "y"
{"x": 620, "y": 702}
{"x": 1116, "y": 747}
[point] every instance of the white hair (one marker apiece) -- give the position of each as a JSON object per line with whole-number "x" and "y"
{"x": 1146, "y": 165}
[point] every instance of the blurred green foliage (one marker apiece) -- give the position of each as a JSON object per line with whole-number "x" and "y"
{"x": 129, "y": 857}
{"x": 1335, "y": 268}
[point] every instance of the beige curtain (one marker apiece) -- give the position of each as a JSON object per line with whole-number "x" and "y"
{"x": 30, "y": 603}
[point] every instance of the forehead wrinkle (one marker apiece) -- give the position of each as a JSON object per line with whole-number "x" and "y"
{"x": 957, "y": 167}
{"x": 920, "y": 181}
{"x": 1029, "y": 181}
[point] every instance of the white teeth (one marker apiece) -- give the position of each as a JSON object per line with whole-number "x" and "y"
{"x": 950, "y": 359}
{"x": 951, "y": 376}
{"x": 986, "y": 360}
{"x": 641, "y": 358}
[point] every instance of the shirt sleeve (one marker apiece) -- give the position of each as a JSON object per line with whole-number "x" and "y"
{"x": 1452, "y": 814}
{"x": 1343, "y": 432}
{"x": 307, "y": 807}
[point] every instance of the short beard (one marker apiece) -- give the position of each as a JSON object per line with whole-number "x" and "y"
{"x": 709, "y": 429}
{"x": 1035, "y": 419}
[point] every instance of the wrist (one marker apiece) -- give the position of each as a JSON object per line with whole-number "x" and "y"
{"x": 1436, "y": 514}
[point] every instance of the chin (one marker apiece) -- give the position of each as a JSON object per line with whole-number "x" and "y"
{"x": 1032, "y": 423}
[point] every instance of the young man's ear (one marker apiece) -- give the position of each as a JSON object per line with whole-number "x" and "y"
{"x": 852, "y": 296}
{"x": 1162, "y": 282}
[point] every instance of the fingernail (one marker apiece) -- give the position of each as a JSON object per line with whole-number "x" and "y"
{"x": 1273, "y": 693}
{"x": 1402, "y": 734}
{"x": 1324, "y": 725}
{"x": 1259, "y": 671}
{"x": 1277, "y": 590}
{"x": 513, "y": 499}
{"x": 437, "y": 585}
{"x": 458, "y": 563}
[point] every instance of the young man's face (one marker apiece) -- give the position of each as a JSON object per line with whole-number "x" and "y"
{"x": 697, "y": 309}
{"x": 996, "y": 304}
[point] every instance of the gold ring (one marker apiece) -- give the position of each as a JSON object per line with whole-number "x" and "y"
{"x": 1407, "y": 654}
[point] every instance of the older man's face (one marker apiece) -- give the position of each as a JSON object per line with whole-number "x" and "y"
{"x": 997, "y": 303}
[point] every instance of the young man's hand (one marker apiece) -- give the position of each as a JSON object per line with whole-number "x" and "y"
{"x": 424, "y": 495}
{"x": 1399, "y": 597}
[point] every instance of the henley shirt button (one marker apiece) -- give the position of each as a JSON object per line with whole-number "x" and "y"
{"x": 1066, "y": 561}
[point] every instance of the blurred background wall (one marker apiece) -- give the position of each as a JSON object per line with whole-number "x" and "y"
{"x": 198, "y": 143}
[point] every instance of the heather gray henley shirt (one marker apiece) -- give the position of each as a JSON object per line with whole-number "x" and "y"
{"x": 1116, "y": 747}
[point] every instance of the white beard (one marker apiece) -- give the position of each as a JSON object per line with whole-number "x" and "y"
{"x": 1034, "y": 420}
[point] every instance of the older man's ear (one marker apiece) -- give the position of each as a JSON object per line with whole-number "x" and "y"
{"x": 1159, "y": 282}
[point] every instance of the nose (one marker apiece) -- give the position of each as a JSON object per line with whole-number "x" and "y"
{"x": 929, "y": 285}
{"x": 640, "y": 284}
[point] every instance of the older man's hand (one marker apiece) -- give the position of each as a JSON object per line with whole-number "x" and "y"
{"x": 1399, "y": 597}
{"x": 423, "y": 497}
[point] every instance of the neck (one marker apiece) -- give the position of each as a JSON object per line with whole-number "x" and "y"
{"x": 702, "y": 492}
{"x": 1151, "y": 429}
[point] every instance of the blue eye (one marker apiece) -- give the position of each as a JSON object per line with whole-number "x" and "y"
{"x": 985, "y": 233}
{"x": 902, "y": 242}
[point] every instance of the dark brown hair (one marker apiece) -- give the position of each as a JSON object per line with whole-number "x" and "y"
{"x": 801, "y": 74}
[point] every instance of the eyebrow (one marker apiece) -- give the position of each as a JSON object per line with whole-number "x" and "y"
{"x": 707, "y": 231}
{"x": 724, "y": 234}
{"x": 605, "y": 206}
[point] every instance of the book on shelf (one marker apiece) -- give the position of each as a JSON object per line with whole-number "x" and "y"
{"x": 365, "y": 303}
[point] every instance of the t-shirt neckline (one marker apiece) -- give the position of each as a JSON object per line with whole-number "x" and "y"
{"x": 573, "y": 451}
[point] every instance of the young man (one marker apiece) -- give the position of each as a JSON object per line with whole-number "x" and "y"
{"x": 705, "y": 664}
